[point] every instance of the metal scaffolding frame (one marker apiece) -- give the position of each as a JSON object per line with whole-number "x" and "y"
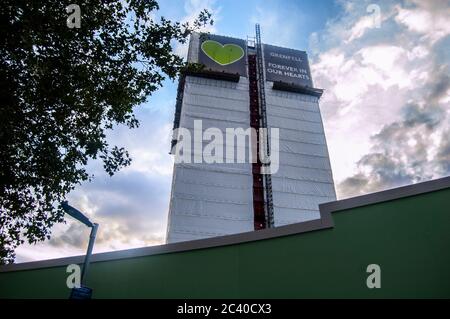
{"x": 263, "y": 117}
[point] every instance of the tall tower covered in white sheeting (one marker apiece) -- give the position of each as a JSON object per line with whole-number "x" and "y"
{"x": 220, "y": 183}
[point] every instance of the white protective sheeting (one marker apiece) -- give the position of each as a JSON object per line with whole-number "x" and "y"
{"x": 287, "y": 216}
{"x": 302, "y": 136}
{"x": 304, "y": 178}
{"x": 296, "y": 186}
{"x": 212, "y": 199}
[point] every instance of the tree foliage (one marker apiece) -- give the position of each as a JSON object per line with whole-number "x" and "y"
{"x": 61, "y": 89}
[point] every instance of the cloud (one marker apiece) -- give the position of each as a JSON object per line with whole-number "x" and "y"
{"x": 131, "y": 208}
{"x": 373, "y": 19}
{"x": 427, "y": 18}
{"x": 386, "y": 100}
{"x": 406, "y": 151}
{"x": 358, "y": 30}
{"x": 76, "y": 236}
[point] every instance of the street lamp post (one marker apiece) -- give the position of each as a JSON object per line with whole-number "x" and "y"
{"x": 82, "y": 292}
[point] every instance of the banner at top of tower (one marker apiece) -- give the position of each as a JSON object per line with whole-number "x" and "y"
{"x": 223, "y": 54}
{"x": 287, "y": 65}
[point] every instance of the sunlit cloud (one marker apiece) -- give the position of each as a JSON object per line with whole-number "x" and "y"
{"x": 379, "y": 82}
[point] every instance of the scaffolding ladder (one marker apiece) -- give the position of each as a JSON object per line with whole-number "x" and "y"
{"x": 262, "y": 104}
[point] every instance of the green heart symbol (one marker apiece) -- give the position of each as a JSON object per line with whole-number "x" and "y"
{"x": 222, "y": 54}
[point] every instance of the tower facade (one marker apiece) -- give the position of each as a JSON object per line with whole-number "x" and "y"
{"x": 249, "y": 144}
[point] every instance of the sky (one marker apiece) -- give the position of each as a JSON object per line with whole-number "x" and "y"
{"x": 385, "y": 69}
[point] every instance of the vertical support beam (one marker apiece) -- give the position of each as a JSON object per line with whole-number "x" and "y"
{"x": 260, "y": 221}
{"x": 262, "y": 104}
{"x": 87, "y": 259}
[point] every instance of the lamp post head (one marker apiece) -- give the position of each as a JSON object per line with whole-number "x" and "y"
{"x": 75, "y": 213}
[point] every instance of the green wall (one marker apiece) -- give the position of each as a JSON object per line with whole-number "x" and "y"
{"x": 409, "y": 238}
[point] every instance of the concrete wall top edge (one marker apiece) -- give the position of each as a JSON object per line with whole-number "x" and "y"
{"x": 386, "y": 195}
